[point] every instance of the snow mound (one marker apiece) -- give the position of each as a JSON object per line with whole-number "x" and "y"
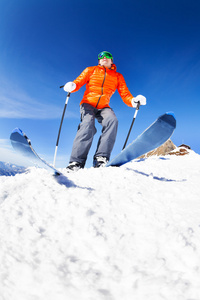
{"x": 112, "y": 233}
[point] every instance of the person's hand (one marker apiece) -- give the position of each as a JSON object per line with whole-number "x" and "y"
{"x": 69, "y": 86}
{"x": 139, "y": 98}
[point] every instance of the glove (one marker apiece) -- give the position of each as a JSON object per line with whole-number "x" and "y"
{"x": 140, "y": 99}
{"x": 69, "y": 86}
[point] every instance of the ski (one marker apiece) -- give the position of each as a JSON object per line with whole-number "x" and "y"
{"x": 22, "y": 144}
{"x": 153, "y": 137}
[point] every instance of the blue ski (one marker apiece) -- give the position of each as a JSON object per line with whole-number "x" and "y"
{"x": 22, "y": 144}
{"x": 153, "y": 137}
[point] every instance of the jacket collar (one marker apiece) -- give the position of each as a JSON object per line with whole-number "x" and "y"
{"x": 113, "y": 67}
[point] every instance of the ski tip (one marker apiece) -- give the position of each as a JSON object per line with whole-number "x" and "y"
{"x": 17, "y": 130}
{"x": 15, "y": 133}
{"x": 171, "y": 113}
{"x": 169, "y": 118}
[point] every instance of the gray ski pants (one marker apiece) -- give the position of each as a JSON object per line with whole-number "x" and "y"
{"x": 86, "y": 131}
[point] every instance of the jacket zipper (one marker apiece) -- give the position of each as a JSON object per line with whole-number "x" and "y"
{"x": 101, "y": 88}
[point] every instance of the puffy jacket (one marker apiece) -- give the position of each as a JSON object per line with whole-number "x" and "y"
{"x": 101, "y": 83}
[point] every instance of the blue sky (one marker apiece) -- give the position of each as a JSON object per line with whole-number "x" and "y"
{"x": 44, "y": 44}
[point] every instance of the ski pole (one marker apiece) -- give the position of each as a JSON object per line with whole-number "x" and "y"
{"x": 67, "y": 99}
{"x": 136, "y": 111}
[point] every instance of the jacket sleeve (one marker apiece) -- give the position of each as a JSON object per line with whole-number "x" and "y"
{"x": 82, "y": 78}
{"x": 124, "y": 91}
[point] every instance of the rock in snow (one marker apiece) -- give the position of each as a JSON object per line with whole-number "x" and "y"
{"x": 112, "y": 233}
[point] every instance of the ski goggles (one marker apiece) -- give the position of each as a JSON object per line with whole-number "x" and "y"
{"x": 105, "y": 54}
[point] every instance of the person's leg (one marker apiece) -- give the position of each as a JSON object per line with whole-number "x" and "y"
{"x": 84, "y": 136}
{"x": 107, "y": 118}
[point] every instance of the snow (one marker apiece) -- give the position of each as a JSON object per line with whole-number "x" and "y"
{"x": 111, "y": 233}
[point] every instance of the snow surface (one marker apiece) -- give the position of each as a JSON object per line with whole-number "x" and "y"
{"x": 112, "y": 233}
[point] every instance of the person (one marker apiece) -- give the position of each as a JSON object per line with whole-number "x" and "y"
{"x": 101, "y": 83}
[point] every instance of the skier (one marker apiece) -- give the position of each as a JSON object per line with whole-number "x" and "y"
{"x": 101, "y": 83}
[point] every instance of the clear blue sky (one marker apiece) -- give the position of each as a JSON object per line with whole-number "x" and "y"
{"x": 44, "y": 44}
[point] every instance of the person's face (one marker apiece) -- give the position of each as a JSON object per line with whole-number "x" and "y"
{"x": 106, "y": 62}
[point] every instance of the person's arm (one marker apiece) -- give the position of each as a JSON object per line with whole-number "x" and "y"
{"x": 73, "y": 86}
{"x": 127, "y": 96}
{"x": 124, "y": 91}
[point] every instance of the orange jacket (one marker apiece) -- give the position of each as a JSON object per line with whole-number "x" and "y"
{"x": 101, "y": 83}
